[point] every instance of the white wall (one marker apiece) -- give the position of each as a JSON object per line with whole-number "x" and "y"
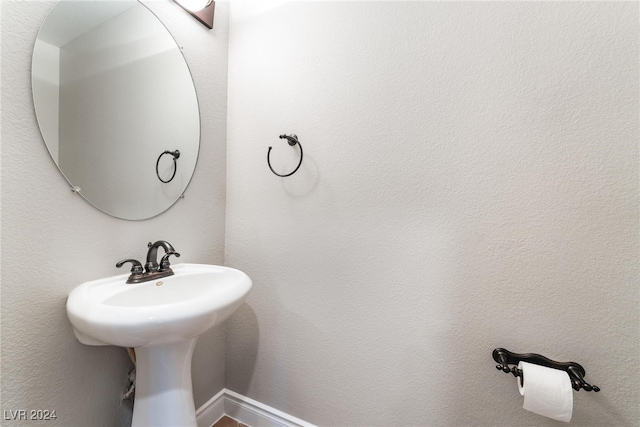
{"x": 53, "y": 240}
{"x": 470, "y": 181}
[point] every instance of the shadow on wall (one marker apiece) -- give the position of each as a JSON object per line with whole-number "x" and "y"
{"x": 304, "y": 181}
{"x": 206, "y": 355}
{"x": 291, "y": 334}
{"x": 245, "y": 345}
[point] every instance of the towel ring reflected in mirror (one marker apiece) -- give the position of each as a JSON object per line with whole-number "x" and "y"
{"x": 176, "y": 155}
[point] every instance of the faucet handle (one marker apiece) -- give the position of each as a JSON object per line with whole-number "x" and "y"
{"x": 164, "y": 262}
{"x": 136, "y": 266}
{"x": 136, "y": 269}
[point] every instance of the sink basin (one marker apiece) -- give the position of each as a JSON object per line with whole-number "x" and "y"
{"x": 168, "y": 310}
{"x": 161, "y": 319}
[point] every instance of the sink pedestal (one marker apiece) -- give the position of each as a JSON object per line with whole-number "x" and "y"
{"x": 164, "y": 395}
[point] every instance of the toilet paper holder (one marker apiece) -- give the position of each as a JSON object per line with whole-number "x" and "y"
{"x": 575, "y": 370}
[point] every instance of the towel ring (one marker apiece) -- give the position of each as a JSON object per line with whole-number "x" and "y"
{"x": 292, "y": 140}
{"x": 176, "y": 155}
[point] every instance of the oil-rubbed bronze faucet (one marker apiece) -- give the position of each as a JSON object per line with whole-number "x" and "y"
{"x": 151, "y": 266}
{"x": 152, "y": 270}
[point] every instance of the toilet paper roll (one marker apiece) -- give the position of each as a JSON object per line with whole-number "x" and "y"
{"x": 546, "y": 391}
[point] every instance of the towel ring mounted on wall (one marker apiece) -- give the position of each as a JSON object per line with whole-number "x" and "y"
{"x": 176, "y": 155}
{"x": 292, "y": 140}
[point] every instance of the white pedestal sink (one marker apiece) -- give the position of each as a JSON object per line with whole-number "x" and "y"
{"x": 161, "y": 320}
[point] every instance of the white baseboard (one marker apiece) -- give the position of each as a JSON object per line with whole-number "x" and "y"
{"x": 245, "y": 410}
{"x": 209, "y": 413}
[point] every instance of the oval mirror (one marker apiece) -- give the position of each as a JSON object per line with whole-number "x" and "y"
{"x": 115, "y": 100}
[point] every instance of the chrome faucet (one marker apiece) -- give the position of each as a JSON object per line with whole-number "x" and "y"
{"x": 151, "y": 268}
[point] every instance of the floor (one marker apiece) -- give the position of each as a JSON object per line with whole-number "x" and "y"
{"x": 228, "y": 422}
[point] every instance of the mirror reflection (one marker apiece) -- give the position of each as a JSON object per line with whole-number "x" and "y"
{"x": 112, "y": 93}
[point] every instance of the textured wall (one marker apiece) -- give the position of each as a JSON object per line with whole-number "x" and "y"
{"x": 470, "y": 181}
{"x": 52, "y": 240}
